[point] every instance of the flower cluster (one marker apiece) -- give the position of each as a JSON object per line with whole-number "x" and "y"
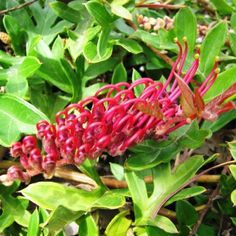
{"x": 151, "y": 23}
{"x": 115, "y": 118}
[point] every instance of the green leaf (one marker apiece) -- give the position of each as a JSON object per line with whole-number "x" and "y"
{"x": 223, "y": 120}
{"x": 65, "y": 12}
{"x": 232, "y": 148}
{"x": 233, "y": 170}
{"x": 119, "y": 225}
{"x": 8, "y": 60}
{"x": 190, "y": 136}
{"x": 186, "y": 193}
{"x": 117, "y": 170}
{"x": 99, "y": 13}
{"x": 14, "y": 206}
{"x": 103, "y": 41}
{"x": 58, "y": 72}
{"x": 60, "y": 217}
{"x": 218, "y": 87}
{"x": 232, "y": 38}
{"x": 99, "y": 68}
{"x": 45, "y": 22}
{"x": 16, "y": 34}
{"x": 186, "y": 214}
{"x": 167, "y": 182}
{"x": 58, "y": 48}
{"x": 91, "y": 55}
{"x": 29, "y": 66}
{"x": 147, "y": 38}
{"x": 138, "y": 89}
{"x": 130, "y": 45}
{"x": 138, "y": 192}
{"x": 70, "y": 197}
{"x": 88, "y": 226}
{"x": 233, "y": 197}
{"x": 222, "y": 6}
{"x": 119, "y": 74}
{"x": 121, "y": 11}
{"x": 33, "y": 228}
{"x": 211, "y": 46}
{"x": 151, "y": 153}
{"x": 163, "y": 223}
{"x": 18, "y": 117}
{"x": 233, "y": 21}
{"x": 186, "y": 26}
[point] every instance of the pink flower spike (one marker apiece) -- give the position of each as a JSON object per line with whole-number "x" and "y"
{"x": 16, "y": 150}
{"x": 28, "y": 144}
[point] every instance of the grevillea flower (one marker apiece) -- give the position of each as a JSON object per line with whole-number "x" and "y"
{"x": 116, "y": 118}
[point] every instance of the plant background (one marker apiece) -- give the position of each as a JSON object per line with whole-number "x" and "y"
{"x": 54, "y": 53}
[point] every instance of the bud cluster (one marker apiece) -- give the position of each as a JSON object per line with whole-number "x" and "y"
{"x": 114, "y": 119}
{"x": 150, "y": 23}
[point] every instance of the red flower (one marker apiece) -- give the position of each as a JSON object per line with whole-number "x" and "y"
{"x": 121, "y": 119}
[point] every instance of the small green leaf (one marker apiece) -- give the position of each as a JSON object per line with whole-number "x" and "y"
{"x": 17, "y": 116}
{"x": 119, "y": 225}
{"x": 232, "y": 148}
{"x": 233, "y": 197}
{"x": 186, "y": 193}
{"x": 138, "y": 192}
{"x": 119, "y": 74}
{"x": 33, "y": 228}
{"x": 233, "y": 170}
{"x": 60, "y": 217}
{"x": 117, "y": 170}
{"x": 186, "y": 214}
{"x": 163, "y": 223}
{"x": 66, "y": 12}
{"x": 99, "y": 13}
{"x": 186, "y": 26}
{"x": 121, "y": 11}
{"x": 138, "y": 89}
{"x": 233, "y": 21}
{"x": 211, "y": 46}
{"x": 16, "y": 34}
{"x": 103, "y": 41}
{"x": 222, "y": 6}
{"x": 88, "y": 226}
{"x": 232, "y": 38}
{"x": 130, "y": 45}
{"x": 223, "y": 120}
{"x": 29, "y": 66}
{"x": 15, "y": 207}
{"x": 147, "y": 38}
{"x": 58, "y": 48}
{"x": 218, "y": 87}
{"x": 151, "y": 153}
{"x": 91, "y": 55}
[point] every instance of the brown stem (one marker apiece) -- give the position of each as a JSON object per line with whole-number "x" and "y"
{"x": 211, "y": 199}
{"x": 164, "y": 57}
{"x": 161, "y": 6}
{"x": 74, "y": 175}
{"x": 114, "y": 183}
{"x": 205, "y": 210}
{"x": 17, "y": 7}
{"x": 7, "y": 164}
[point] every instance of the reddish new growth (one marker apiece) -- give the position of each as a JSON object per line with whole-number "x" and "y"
{"x": 114, "y": 119}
